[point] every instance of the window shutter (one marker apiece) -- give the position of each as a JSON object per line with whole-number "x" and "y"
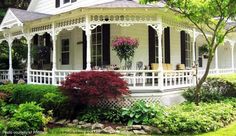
{"x": 106, "y": 44}
{"x": 151, "y": 37}
{"x": 84, "y": 50}
{"x": 167, "y": 44}
{"x": 57, "y": 3}
{"x": 183, "y": 45}
{"x": 35, "y": 40}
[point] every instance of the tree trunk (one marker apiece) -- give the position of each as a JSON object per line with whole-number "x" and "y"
{"x": 203, "y": 78}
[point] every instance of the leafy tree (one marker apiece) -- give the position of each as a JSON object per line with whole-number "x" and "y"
{"x": 209, "y": 17}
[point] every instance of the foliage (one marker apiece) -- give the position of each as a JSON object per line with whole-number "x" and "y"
{"x": 124, "y": 47}
{"x": 49, "y": 97}
{"x": 91, "y": 86}
{"x": 141, "y": 113}
{"x": 96, "y": 114}
{"x": 208, "y": 16}
{"x": 28, "y": 115}
{"x": 189, "y": 118}
{"x": 214, "y": 89}
{"x": 17, "y": 126}
{"x": 90, "y": 115}
{"x": 2, "y": 128}
{"x": 7, "y": 110}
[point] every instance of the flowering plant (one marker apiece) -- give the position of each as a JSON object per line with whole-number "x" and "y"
{"x": 125, "y": 47}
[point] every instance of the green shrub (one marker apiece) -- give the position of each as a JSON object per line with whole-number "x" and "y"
{"x": 189, "y": 118}
{"x": 28, "y": 115}
{"x": 2, "y": 128}
{"x": 96, "y": 114}
{"x": 90, "y": 115}
{"x": 141, "y": 113}
{"x": 15, "y": 126}
{"x": 48, "y": 96}
{"x": 8, "y": 110}
{"x": 214, "y": 89}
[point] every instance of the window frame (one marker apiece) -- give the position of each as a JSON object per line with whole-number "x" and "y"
{"x": 65, "y": 51}
{"x": 95, "y": 45}
{"x": 188, "y": 51}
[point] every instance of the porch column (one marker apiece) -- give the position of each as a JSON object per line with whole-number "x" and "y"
{"x": 10, "y": 71}
{"x": 54, "y": 60}
{"x": 28, "y": 59}
{"x": 88, "y": 39}
{"x": 232, "y": 55}
{"x": 194, "y": 58}
{"x": 160, "y": 68}
{"x": 216, "y": 61}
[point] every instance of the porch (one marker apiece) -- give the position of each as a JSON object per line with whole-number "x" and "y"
{"x": 82, "y": 42}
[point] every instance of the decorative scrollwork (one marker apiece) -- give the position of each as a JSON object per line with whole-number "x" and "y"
{"x": 125, "y": 24}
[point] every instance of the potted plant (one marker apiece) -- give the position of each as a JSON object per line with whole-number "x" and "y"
{"x": 125, "y": 48}
{"x": 203, "y": 50}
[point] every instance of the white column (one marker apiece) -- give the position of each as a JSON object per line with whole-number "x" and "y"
{"x": 194, "y": 58}
{"x": 216, "y": 61}
{"x": 88, "y": 39}
{"x": 54, "y": 60}
{"x": 28, "y": 59}
{"x": 10, "y": 71}
{"x": 160, "y": 68}
{"x": 232, "y": 54}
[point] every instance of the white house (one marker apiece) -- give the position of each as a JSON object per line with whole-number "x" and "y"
{"x": 79, "y": 33}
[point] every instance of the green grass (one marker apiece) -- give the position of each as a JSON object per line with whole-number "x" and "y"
{"x": 228, "y": 77}
{"x": 227, "y": 131}
{"x": 67, "y": 131}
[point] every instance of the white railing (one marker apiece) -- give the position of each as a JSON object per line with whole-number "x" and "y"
{"x": 40, "y": 77}
{"x": 179, "y": 78}
{"x": 226, "y": 71}
{"x": 141, "y": 79}
{"x": 19, "y": 74}
{"x": 136, "y": 79}
{"x": 60, "y": 75}
{"x": 3, "y": 75}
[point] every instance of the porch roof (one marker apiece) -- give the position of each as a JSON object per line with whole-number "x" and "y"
{"x": 24, "y": 15}
{"x": 127, "y": 4}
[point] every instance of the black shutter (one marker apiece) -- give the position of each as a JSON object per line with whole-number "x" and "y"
{"x": 167, "y": 44}
{"x": 35, "y": 39}
{"x": 84, "y": 50}
{"x": 183, "y": 46}
{"x": 106, "y": 44}
{"x": 151, "y": 37}
{"x": 57, "y": 3}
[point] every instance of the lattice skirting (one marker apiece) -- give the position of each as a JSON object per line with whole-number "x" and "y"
{"x": 128, "y": 101}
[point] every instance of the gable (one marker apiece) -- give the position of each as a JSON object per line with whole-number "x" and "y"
{"x": 10, "y": 20}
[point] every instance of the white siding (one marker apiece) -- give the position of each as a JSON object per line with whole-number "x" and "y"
{"x": 48, "y": 6}
{"x": 140, "y": 32}
{"x": 76, "y": 50}
{"x": 175, "y": 50}
{"x": 224, "y": 56}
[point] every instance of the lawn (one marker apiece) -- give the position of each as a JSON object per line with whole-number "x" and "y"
{"x": 67, "y": 131}
{"x": 228, "y": 77}
{"x": 227, "y": 131}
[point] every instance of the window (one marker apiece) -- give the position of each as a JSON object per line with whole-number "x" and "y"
{"x": 65, "y": 52}
{"x": 97, "y": 49}
{"x": 157, "y": 46}
{"x": 188, "y": 51}
{"x": 63, "y": 2}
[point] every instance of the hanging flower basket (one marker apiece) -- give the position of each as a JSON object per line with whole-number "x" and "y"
{"x": 125, "y": 48}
